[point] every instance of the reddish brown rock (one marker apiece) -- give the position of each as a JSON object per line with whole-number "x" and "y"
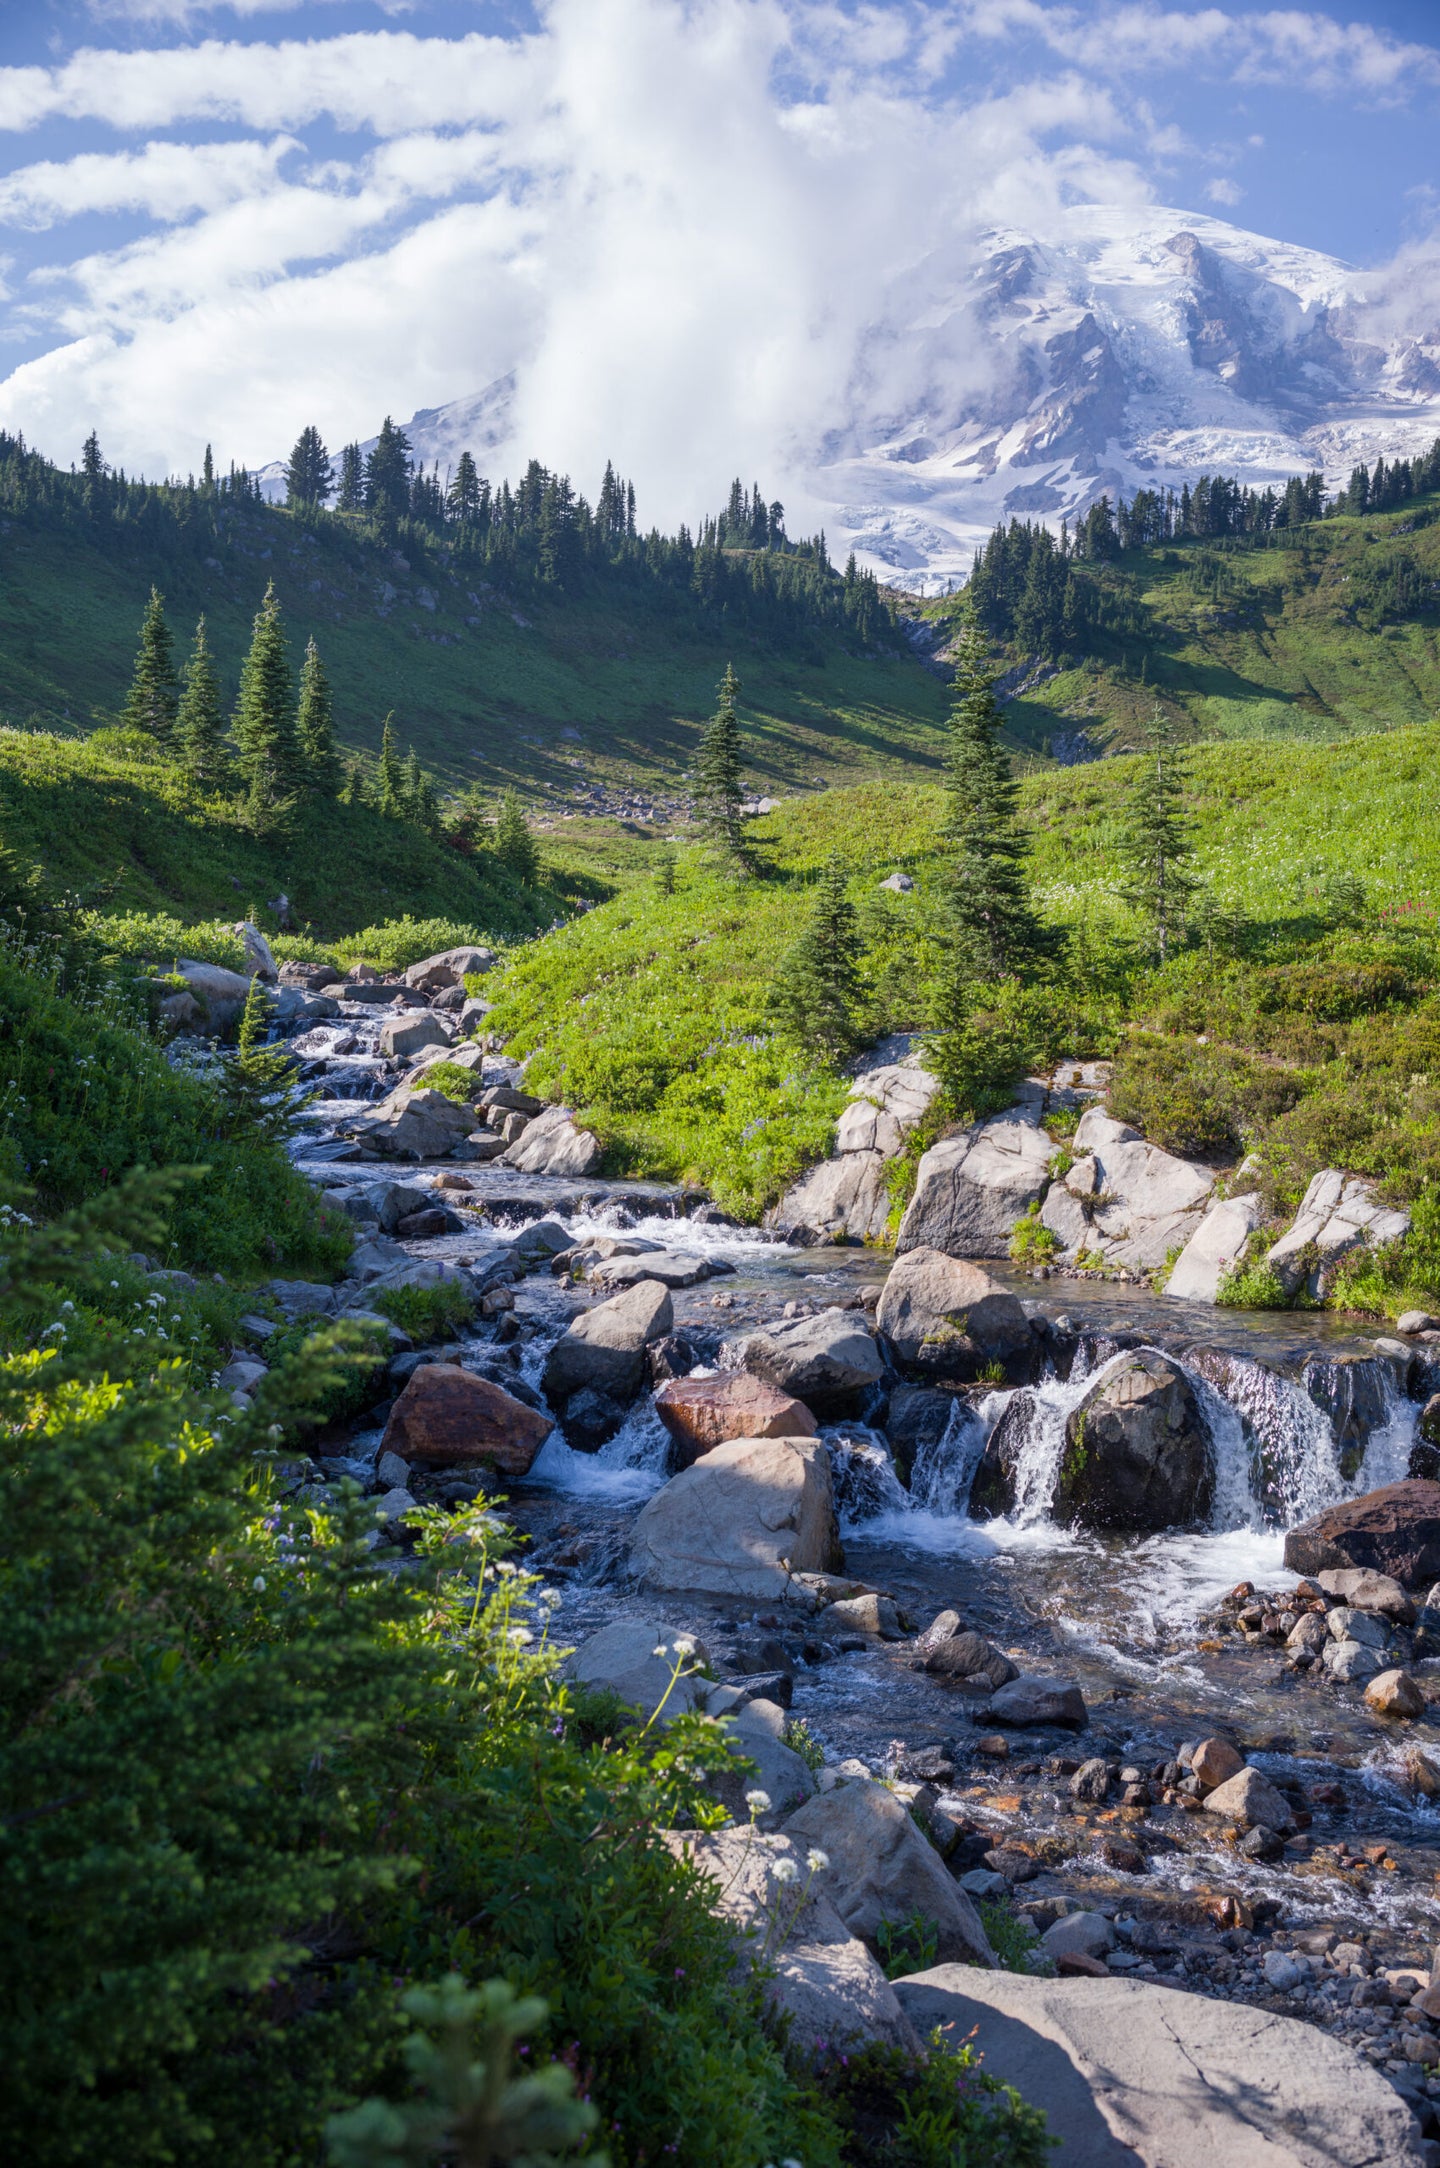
{"x": 1395, "y": 1693}
{"x": 702, "y": 1412}
{"x": 1394, "y": 1530}
{"x": 1215, "y": 1761}
{"x": 446, "y": 1418}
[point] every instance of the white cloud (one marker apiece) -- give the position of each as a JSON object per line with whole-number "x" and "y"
{"x": 1225, "y": 192}
{"x": 164, "y": 180}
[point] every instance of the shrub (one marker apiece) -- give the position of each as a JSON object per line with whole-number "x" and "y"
{"x": 427, "y": 1313}
{"x": 1030, "y": 1242}
{"x": 800, "y": 1740}
{"x": 1251, "y": 1285}
{"x": 939, "y": 2109}
{"x": 905, "y": 1946}
{"x": 1012, "y": 1939}
{"x": 1193, "y": 1099}
{"x": 400, "y": 942}
{"x": 460, "y": 1084}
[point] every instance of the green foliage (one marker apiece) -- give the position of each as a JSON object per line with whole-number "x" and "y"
{"x": 315, "y": 726}
{"x": 990, "y": 929}
{"x": 458, "y": 1083}
{"x": 401, "y": 942}
{"x": 800, "y": 1740}
{"x": 427, "y": 1314}
{"x": 514, "y": 844}
{"x": 1012, "y": 1939}
{"x": 1251, "y": 1285}
{"x": 907, "y": 1945}
{"x": 718, "y": 794}
{"x": 1156, "y": 839}
{"x": 816, "y": 995}
{"x": 258, "y": 1095}
{"x": 200, "y": 720}
{"x": 1030, "y": 1242}
{"x": 150, "y": 704}
{"x": 1193, "y": 1099}
{"x": 937, "y": 2109}
{"x": 268, "y": 756}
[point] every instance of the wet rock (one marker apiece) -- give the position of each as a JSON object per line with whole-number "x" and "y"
{"x": 1364, "y": 1591}
{"x": 404, "y": 1035}
{"x": 1250, "y": 1798}
{"x": 672, "y": 1268}
{"x": 703, "y": 1412}
{"x": 552, "y": 1144}
{"x": 825, "y": 1361}
{"x": 916, "y": 1419}
{"x": 447, "y": 1418}
{"x": 1132, "y": 2073}
{"x": 412, "y": 1123}
{"x": 424, "y": 1226}
{"x": 590, "y": 1419}
{"x": 1214, "y": 1762}
{"x": 1091, "y": 1782}
{"x": 390, "y": 1202}
{"x": 1339, "y": 1213}
{"x": 605, "y": 1346}
{"x": 971, "y": 1189}
{"x": 946, "y": 1315}
{"x": 1309, "y": 1633}
{"x": 844, "y": 1199}
{"x": 1410, "y": 1323}
{"x": 1425, "y": 1452}
{"x": 1343, "y": 1624}
{"x": 882, "y": 1869}
{"x": 1079, "y": 1934}
{"x": 1261, "y": 1843}
{"x": 1028, "y": 1700}
{"x": 966, "y": 1658}
{"x": 1394, "y": 1530}
{"x": 1395, "y": 1693}
{"x": 1137, "y": 1453}
{"x": 1351, "y": 1391}
{"x": 1349, "y": 1661}
{"x": 873, "y": 1614}
{"x": 1217, "y": 1243}
{"x": 543, "y": 1240}
{"x": 740, "y": 1521}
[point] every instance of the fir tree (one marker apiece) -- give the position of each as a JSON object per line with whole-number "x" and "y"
{"x": 389, "y": 776}
{"x": 514, "y": 844}
{"x": 462, "y": 499}
{"x": 387, "y": 475}
{"x": 264, "y": 720}
{"x": 991, "y": 930}
{"x": 258, "y": 1095}
{"x": 816, "y": 995}
{"x": 95, "y": 472}
{"x": 154, "y": 694}
{"x": 1156, "y": 839}
{"x": 665, "y": 875}
{"x": 315, "y": 725}
{"x": 207, "y": 476}
{"x": 309, "y": 477}
{"x": 718, "y": 796}
{"x": 200, "y": 722}
{"x": 421, "y": 805}
{"x": 350, "y": 497}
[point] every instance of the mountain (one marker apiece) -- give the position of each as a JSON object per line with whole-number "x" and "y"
{"x": 1133, "y": 346}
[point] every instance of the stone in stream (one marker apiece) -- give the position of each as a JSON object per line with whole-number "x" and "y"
{"x": 1214, "y": 1762}
{"x": 700, "y": 1413}
{"x": 622, "y": 1659}
{"x": 390, "y": 1202}
{"x": 1079, "y": 1934}
{"x": 971, "y": 1189}
{"x": 605, "y": 1346}
{"x": 446, "y": 1418}
{"x": 967, "y": 1659}
{"x": 1394, "y": 1530}
{"x": 1135, "y": 2076}
{"x": 451, "y": 967}
{"x": 841, "y": 1199}
{"x": 1395, "y": 1693}
{"x": 1137, "y": 1452}
{"x": 827, "y": 1361}
{"x": 413, "y": 1123}
{"x": 1027, "y": 1700}
{"x": 1350, "y": 1661}
{"x": 1217, "y": 1243}
{"x": 917, "y": 1417}
{"x": 552, "y": 1144}
{"x": 1248, "y": 1798}
{"x": 540, "y": 1242}
{"x": 1343, "y": 1624}
{"x": 881, "y": 1869}
{"x": 1361, "y": 1590}
{"x": 403, "y": 1035}
{"x": 741, "y": 1521}
{"x": 673, "y": 1268}
{"x": 946, "y": 1315}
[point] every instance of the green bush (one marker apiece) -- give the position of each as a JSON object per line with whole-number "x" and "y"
{"x": 461, "y": 1085}
{"x": 1196, "y": 1100}
{"x": 1251, "y": 1285}
{"x": 400, "y": 942}
{"x": 1012, "y": 1939}
{"x": 154, "y": 937}
{"x": 427, "y": 1313}
{"x": 939, "y": 2109}
{"x": 1030, "y": 1242}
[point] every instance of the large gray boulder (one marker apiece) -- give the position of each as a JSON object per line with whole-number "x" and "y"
{"x": 824, "y": 1360}
{"x": 888, "y": 1099}
{"x": 218, "y": 994}
{"x": 413, "y": 1123}
{"x": 741, "y": 1521}
{"x": 1218, "y": 1243}
{"x": 1135, "y": 2076}
{"x": 817, "y": 1973}
{"x": 604, "y": 1348}
{"x": 622, "y": 1659}
{"x": 971, "y": 1189}
{"x": 552, "y": 1144}
{"x": 946, "y": 1315}
{"x": 1137, "y": 1452}
{"x": 1338, "y": 1213}
{"x": 451, "y": 967}
{"x": 841, "y": 1199}
{"x": 882, "y": 1869}
{"x": 1147, "y": 1202}
{"x": 756, "y": 1729}
{"x": 402, "y": 1035}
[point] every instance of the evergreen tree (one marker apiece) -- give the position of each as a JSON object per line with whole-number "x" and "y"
{"x": 154, "y": 694}
{"x": 1156, "y": 839}
{"x": 315, "y": 725}
{"x": 309, "y": 477}
{"x": 208, "y": 472}
{"x": 95, "y": 472}
{"x": 390, "y": 776}
{"x": 350, "y": 497}
{"x": 387, "y": 475}
{"x": 421, "y": 804}
{"x": 200, "y": 722}
{"x": 718, "y": 796}
{"x": 462, "y": 499}
{"x": 816, "y": 995}
{"x": 514, "y": 844}
{"x": 991, "y": 930}
{"x": 665, "y": 875}
{"x": 258, "y": 1095}
{"x": 264, "y": 719}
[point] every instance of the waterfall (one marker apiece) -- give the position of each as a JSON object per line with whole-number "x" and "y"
{"x": 863, "y": 1472}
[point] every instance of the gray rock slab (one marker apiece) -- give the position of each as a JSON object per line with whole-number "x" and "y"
{"x": 841, "y": 1197}
{"x": 880, "y": 1868}
{"x": 741, "y": 1520}
{"x": 1217, "y": 1244}
{"x": 971, "y": 1189}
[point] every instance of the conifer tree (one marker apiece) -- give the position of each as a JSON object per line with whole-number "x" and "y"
{"x": 718, "y": 796}
{"x": 264, "y": 719}
{"x": 200, "y": 722}
{"x": 816, "y": 995}
{"x": 514, "y": 844}
{"x": 154, "y": 694}
{"x": 421, "y": 805}
{"x": 258, "y": 1095}
{"x": 462, "y": 499}
{"x": 387, "y": 475}
{"x": 390, "y": 776}
{"x": 309, "y": 476}
{"x": 350, "y": 497}
{"x": 990, "y": 926}
{"x": 315, "y": 725}
{"x": 1156, "y": 839}
{"x": 207, "y": 475}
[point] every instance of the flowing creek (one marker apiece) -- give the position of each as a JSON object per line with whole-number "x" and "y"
{"x": 1301, "y": 1411}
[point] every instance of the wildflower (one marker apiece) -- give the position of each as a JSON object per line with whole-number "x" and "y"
{"x": 785, "y": 1870}
{"x": 520, "y": 1635}
{"x": 258, "y": 1584}
{"x": 684, "y": 1645}
{"x": 758, "y": 1802}
{"x": 660, "y": 1650}
{"x": 505, "y": 1568}
{"x": 816, "y": 1860}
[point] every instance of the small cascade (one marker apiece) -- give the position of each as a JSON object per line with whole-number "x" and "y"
{"x": 943, "y": 1472}
{"x": 863, "y": 1472}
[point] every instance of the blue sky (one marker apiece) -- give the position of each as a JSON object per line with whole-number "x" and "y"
{"x": 682, "y": 216}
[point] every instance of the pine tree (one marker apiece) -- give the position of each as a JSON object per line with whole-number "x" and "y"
{"x": 208, "y": 473}
{"x": 1156, "y": 839}
{"x": 200, "y": 722}
{"x": 350, "y": 496}
{"x": 390, "y": 776}
{"x": 387, "y": 475}
{"x": 309, "y": 477}
{"x": 264, "y": 719}
{"x": 718, "y": 796}
{"x": 421, "y": 805}
{"x": 95, "y": 472}
{"x": 258, "y": 1095}
{"x": 154, "y": 694}
{"x": 462, "y": 499}
{"x": 816, "y": 995}
{"x": 991, "y": 930}
{"x": 514, "y": 844}
{"x": 315, "y": 725}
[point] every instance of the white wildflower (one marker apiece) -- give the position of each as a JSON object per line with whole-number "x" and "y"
{"x": 684, "y": 1645}
{"x": 785, "y": 1870}
{"x": 505, "y": 1568}
{"x": 520, "y": 1635}
{"x": 258, "y": 1584}
{"x": 660, "y": 1649}
{"x": 816, "y": 1860}
{"x": 758, "y": 1802}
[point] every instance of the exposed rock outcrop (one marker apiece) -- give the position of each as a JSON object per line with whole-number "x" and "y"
{"x": 1339, "y": 1213}
{"x": 1137, "y": 1452}
{"x": 971, "y": 1189}
{"x": 741, "y": 1521}
{"x": 552, "y": 1144}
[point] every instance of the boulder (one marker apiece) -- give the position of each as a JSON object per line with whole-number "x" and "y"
{"x": 967, "y": 1658}
{"x": 817, "y": 1974}
{"x": 450, "y": 968}
{"x": 946, "y": 1315}
{"x": 1412, "y": 1322}
{"x": 1147, "y": 1202}
{"x": 1366, "y": 1627}
{"x": 971, "y": 1189}
{"x": 605, "y": 1347}
{"x": 301, "y": 1298}
{"x": 825, "y": 1360}
{"x": 446, "y": 1418}
{"x": 755, "y": 1728}
{"x": 700, "y": 1413}
{"x": 1394, "y": 1530}
{"x": 882, "y": 1869}
{"x": 1079, "y": 1934}
{"x": 219, "y": 994}
{"x": 741, "y": 1520}
{"x": 1137, "y": 1452}
{"x": 890, "y": 1078}
{"x": 413, "y": 1123}
{"x": 871, "y": 1613}
{"x": 390, "y": 1202}
{"x": 259, "y": 959}
{"x": 1351, "y": 1662}
{"x": 1218, "y": 1243}
{"x": 1139, "y": 2076}
{"x": 1395, "y": 1693}
{"x": 1361, "y": 1590}
{"x": 916, "y": 1420}
{"x": 402, "y": 1035}
{"x": 622, "y": 1659}
{"x": 1028, "y": 1700}
{"x": 1338, "y": 1213}
{"x": 541, "y": 1241}
{"x": 552, "y": 1144}
{"x": 1250, "y": 1800}
{"x": 672, "y": 1268}
{"x": 374, "y": 1259}
{"x": 866, "y": 1127}
{"x": 1064, "y": 1216}
{"x": 841, "y": 1199}
{"x": 1214, "y": 1762}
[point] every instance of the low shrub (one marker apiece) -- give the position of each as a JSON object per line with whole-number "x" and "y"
{"x": 1199, "y": 1101}
{"x": 427, "y": 1314}
{"x": 1031, "y": 1243}
{"x": 1252, "y": 1285}
{"x": 938, "y": 2109}
{"x": 1013, "y": 1940}
{"x": 400, "y": 942}
{"x": 460, "y": 1084}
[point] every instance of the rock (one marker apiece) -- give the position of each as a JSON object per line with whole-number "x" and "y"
{"x": 754, "y": 1728}
{"x": 1250, "y": 1798}
{"x": 553, "y": 1145}
{"x": 866, "y": 1127}
{"x": 841, "y": 1199}
{"x": 946, "y": 1315}
{"x": 375, "y": 1259}
{"x": 181, "y": 1012}
{"x": 1361, "y": 1590}
{"x": 1218, "y": 1243}
{"x": 887, "y": 1100}
{"x": 1063, "y": 1216}
{"x": 1411, "y": 1322}
{"x": 403, "y": 1035}
{"x": 700, "y": 1413}
{"x": 605, "y": 1347}
{"x": 824, "y": 1360}
{"x": 1339, "y": 1213}
{"x": 447, "y": 1418}
{"x": 242, "y": 1376}
{"x": 1147, "y": 1201}
{"x": 1140, "y": 2076}
{"x": 450, "y": 968}
{"x": 392, "y": 1471}
{"x": 1309, "y": 1632}
{"x": 541, "y": 1241}
{"x": 916, "y": 1419}
{"x": 971, "y": 1189}
{"x": 425, "y": 1226}
{"x": 1137, "y": 1452}
{"x": 964, "y": 1656}
{"x": 872, "y": 1614}
{"x": 741, "y": 1520}
{"x": 1395, "y": 1693}
{"x": 1091, "y": 1782}
{"x": 1262, "y": 1843}
{"x": 1079, "y": 1934}
{"x": 1214, "y": 1762}
{"x": 621, "y": 1658}
{"x": 1394, "y": 1530}
{"x": 301, "y": 1298}
{"x": 882, "y": 1869}
{"x": 390, "y": 1202}
{"x": 413, "y": 1123}
{"x": 218, "y": 994}
{"x": 672, "y": 1268}
{"x": 390, "y": 1508}
{"x": 590, "y": 1419}
{"x": 1371, "y": 1632}
{"x": 1028, "y": 1700}
{"x": 818, "y": 1975}
{"x": 1350, "y": 1661}
{"x": 1282, "y": 1972}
